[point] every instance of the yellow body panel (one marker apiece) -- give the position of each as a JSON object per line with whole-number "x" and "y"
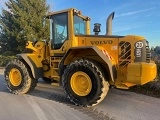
{"x": 108, "y": 44}
{"x": 141, "y": 73}
{"x": 135, "y": 74}
{"x": 39, "y": 52}
{"x": 37, "y": 59}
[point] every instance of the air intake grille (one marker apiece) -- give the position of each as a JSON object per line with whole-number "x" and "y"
{"x": 148, "y": 54}
{"x": 125, "y": 53}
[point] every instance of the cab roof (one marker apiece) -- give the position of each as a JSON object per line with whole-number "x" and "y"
{"x": 57, "y": 12}
{"x": 78, "y": 12}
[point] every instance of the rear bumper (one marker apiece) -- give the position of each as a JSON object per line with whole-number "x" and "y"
{"x": 141, "y": 73}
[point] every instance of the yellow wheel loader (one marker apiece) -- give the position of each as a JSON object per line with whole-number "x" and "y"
{"x": 84, "y": 64}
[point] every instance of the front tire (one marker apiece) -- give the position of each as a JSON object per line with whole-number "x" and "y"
{"x": 85, "y": 83}
{"x": 18, "y": 77}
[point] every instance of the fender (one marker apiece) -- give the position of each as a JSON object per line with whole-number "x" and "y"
{"x": 88, "y": 52}
{"x": 37, "y": 72}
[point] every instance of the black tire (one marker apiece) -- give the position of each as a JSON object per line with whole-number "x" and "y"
{"x": 61, "y": 68}
{"x": 100, "y": 85}
{"x": 27, "y": 84}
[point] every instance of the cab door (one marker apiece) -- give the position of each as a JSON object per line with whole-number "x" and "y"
{"x": 59, "y": 33}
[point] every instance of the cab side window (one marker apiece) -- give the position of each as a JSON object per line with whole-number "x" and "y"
{"x": 79, "y": 26}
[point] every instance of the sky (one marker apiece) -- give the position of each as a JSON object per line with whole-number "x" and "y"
{"x": 132, "y": 17}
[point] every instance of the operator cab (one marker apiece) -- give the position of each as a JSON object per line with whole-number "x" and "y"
{"x": 64, "y": 25}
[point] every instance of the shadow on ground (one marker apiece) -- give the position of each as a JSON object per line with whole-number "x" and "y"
{"x": 43, "y": 90}
{"x": 53, "y": 93}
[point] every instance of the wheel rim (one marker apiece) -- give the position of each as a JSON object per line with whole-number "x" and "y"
{"x": 81, "y": 83}
{"x": 15, "y": 77}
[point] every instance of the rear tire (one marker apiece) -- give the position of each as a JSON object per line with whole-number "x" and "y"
{"x": 18, "y": 77}
{"x": 85, "y": 83}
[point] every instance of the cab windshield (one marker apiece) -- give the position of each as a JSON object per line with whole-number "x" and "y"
{"x": 79, "y": 25}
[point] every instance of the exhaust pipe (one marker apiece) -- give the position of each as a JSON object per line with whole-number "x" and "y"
{"x": 109, "y": 24}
